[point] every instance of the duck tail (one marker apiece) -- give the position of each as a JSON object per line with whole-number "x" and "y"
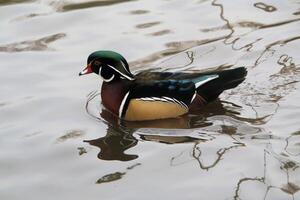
{"x": 225, "y": 80}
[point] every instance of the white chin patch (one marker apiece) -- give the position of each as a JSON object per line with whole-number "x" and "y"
{"x": 109, "y": 79}
{"x": 106, "y": 79}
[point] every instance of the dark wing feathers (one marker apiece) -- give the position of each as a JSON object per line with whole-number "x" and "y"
{"x": 181, "y": 91}
{"x": 209, "y": 84}
{"x": 227, "y": 79}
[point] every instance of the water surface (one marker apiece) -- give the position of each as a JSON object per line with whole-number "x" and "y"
{"x": 57, "y": 141}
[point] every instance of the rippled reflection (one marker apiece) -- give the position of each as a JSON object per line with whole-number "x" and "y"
{"x": 139, "y": 12}
{"x": 40, "y": 44}
{"x": 114, "y": 144}
{"x": 198, "y": 155}
{"x": 110, "y": 177}
{"x": 6, "y": 2}
{"x": 287, "y": 186}
{"x": 245, "y": 146}
{"x": 82, "y": 5}
{"x": 223, "y": 138}
{"x": 230, "y": 127}
{"x": 71, "y": 135}
{"x": 265, "y": 7}
{"x": 147, "y": 25}
{"x": 216, "y": 118}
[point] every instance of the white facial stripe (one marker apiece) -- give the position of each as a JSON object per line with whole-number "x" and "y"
{"x": 124, "y": 67}
{"x": 205, "y": 81}
{"x": 122, "y": 104}
{"x": 129, "y": 78}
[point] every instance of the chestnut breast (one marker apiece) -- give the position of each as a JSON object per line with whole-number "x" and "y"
{"x": 112, "y": 95}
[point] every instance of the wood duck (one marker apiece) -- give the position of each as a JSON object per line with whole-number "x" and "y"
{"x": 156, "y": 95}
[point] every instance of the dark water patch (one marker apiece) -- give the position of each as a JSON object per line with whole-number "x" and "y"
{"x": 290, "y": 188}
{"x": 113, "y": 145}
{"x": 296, "y": 133}
{"x": 33, "y": 134}
{"x": 250, "y": 24}
{"x": 147, "y": 25}
{"x": 168, "y": 139}
{"x": 160, "y": 33}
{"x": 263, "y": 137}
{"x": 243, "y": 24}
{"x": 289, "y": 165}
{"x": 110, "y": 177}
{"x": 206, "y": 30}
{"x": 73, "y": 134}
{"x": 279, "y": 23}
{"x": 139, "y": 12}
{"x": 115, "y": 176}
{"x": 81, "y": 150}
{"x": 3, "y": 104}
{"x": 197, "y": 154}
{"x": 40, "y": 44}
{"x": 29, "y": 16}
{"x": 133, "y": 166}
{"x": 7, "y": 2}
{"x": 265, "y": 7}
{"x": 90, "y": 4}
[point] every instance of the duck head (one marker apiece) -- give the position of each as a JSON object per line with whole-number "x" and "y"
{"x": 109, "y": 65}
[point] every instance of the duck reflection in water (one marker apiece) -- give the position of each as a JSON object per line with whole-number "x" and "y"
{"x": 119, "y": 136}
{"x": 114, "y": 144}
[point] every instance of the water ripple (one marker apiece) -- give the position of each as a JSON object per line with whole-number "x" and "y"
{"x": 40, "y": 44}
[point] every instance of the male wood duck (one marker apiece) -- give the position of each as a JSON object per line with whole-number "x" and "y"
{"x": 156, "y": 95}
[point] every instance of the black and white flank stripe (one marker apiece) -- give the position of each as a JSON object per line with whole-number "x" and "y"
{"x": 164, "y": 99}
